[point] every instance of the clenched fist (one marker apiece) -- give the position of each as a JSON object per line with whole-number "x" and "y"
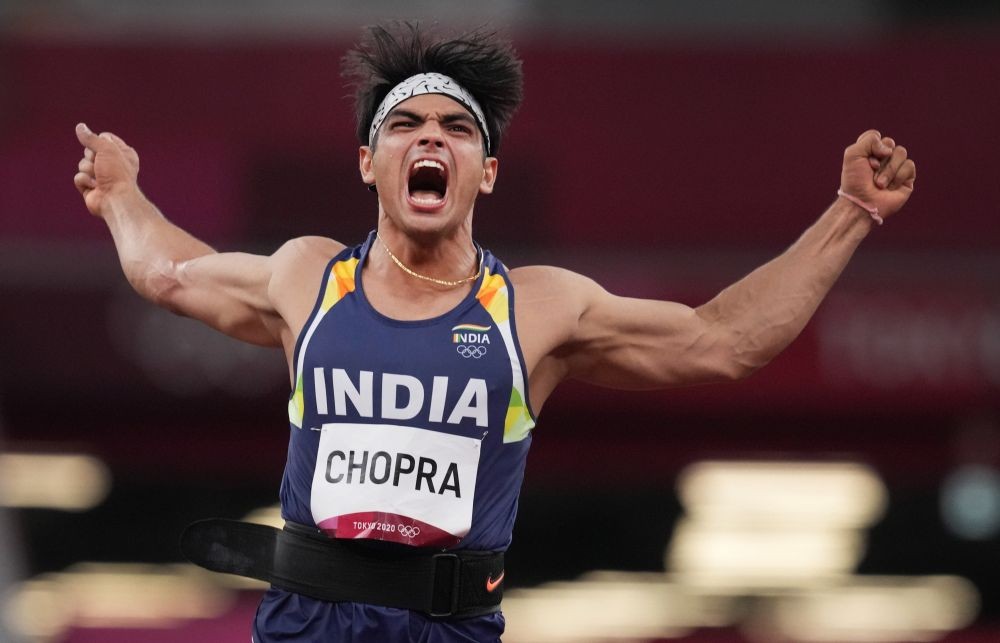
{"x": 877, "y": 172}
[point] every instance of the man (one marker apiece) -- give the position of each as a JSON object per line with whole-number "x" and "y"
{"x": 418, "y": 362}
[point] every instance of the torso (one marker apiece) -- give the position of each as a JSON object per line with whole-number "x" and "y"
{"x": 357, "y": 373}
{"x": 294, "y": 291}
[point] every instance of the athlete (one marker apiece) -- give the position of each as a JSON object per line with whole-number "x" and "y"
{"x": 419, "y": 362}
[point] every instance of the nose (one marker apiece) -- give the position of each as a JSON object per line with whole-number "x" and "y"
{"x": 431, "y": 134}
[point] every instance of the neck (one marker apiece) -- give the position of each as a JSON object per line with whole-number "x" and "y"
{"x": 439, "y": 264}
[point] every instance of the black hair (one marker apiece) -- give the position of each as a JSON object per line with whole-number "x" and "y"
{"x": 481, "y": 61}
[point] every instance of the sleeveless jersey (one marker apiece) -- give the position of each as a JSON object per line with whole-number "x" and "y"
{"x": 408, "y": 432}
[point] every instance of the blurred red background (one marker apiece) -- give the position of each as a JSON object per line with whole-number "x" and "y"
{"x": 661, "y": 170}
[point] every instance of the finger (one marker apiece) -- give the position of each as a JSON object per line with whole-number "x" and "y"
{"x": 868, "y": 134}
{"x": 906, "y": 175}
{"x": 88, "y": 154}
{"x": 92, "y": 141}
{"x": 84, "y": 135}
{"x": 874, "y": 161}
{"x": 86, "y": 166}
{"x": 891, "y": 167}
{"x": 84, "y": 182}
{"x": 870, "y": 144}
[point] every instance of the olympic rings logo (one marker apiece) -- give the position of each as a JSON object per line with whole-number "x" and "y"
{"x": 409, "y": 531}
{"x": 466, "y": 350}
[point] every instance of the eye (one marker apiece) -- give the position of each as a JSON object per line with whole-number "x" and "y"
{"x": 403, "y": 124}
{"x": 462, "y": 129}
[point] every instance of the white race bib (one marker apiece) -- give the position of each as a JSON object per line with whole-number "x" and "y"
{"x": 395, "y": 483}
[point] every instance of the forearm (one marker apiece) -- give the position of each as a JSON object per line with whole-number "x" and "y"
{"x": 762, "y": 313}
{"x": 150, "y": 248}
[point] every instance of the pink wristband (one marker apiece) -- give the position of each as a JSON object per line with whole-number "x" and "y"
{"x": 871, "y": 210}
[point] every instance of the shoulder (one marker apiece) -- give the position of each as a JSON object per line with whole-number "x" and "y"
{"x": 300, "y": 257}
{"x": 306, "y": 248}
{"x": 296, "y": 272}
{"x": 554, "y": 283}
{"x": 550, "y": 306}
{"x": 548, "y": 296}
{"x": 542, "y": 275}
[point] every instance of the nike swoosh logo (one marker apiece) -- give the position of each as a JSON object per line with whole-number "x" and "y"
{"x": 493, "y": 584}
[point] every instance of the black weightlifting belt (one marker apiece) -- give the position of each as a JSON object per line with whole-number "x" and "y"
{"x": 302, "y": 559}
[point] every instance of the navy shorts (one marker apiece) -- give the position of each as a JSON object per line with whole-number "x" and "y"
{"x": 284, "y": 616}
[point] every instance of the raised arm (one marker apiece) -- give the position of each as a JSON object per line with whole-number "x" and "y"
{"x": 632, "y": 343}
{"x": 164, "y": 263}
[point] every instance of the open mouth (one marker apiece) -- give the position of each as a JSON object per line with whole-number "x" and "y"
{"x": 428, "y": 182}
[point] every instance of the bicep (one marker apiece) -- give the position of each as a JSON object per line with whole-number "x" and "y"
{"x": 631, "y": 343}
{"x": 227, "y": 291}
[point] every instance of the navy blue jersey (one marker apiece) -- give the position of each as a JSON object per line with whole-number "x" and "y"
{"x": 407, "y": 432}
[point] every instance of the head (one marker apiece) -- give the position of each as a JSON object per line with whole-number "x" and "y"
{"x": 425, "y": 141}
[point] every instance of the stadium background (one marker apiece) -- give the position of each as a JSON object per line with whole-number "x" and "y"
{"x": 663, "y": 149}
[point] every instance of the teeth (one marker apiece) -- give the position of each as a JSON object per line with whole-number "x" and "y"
{"x": 426, "y": 201}
{"x": 427, "y": 163}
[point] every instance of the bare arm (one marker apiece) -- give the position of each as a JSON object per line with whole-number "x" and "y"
{"x": 164, "y": 263}
{"x": 632, "y": 343}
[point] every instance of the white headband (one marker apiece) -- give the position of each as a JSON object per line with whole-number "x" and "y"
{"x": 430, "y": 83}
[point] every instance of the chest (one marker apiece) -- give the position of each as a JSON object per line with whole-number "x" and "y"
{"x": 411, "y": 305}
{"x": 451, "y": 374}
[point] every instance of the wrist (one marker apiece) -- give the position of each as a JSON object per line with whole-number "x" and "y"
{"x": 120, "y": 201}
{"x": 869, "y": 209}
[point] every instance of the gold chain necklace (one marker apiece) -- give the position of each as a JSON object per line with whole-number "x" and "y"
{"x": 440, "y": 282}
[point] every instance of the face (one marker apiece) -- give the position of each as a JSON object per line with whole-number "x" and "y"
{"x": 428, "y": 164}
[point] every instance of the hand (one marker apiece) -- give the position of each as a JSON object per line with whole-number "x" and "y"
{"x": 108, "y": 167}
{"x": 878, "y": 172}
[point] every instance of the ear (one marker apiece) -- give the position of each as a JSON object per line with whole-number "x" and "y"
{"x": 365, "y": 162}
{"x": 490, "y": 164}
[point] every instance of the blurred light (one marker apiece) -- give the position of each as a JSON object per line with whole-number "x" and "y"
{"x": 834, "y": 494}
{"x": 788, "y": 536}
{"x": 63, "y": 481}
{"x": 970, "y": 502}
{"x": 760, "y": 557}
{"x": 616, "y": 606}
{"x": 126, "y": 595}
{"x": 873, "y": 610}
{"x": 37, "y": 610}
{"x": 772, "y": 525}
{"x": 266, "y": 516}
{"x": 602, "y": 607}
{"x": 113, "y": 595}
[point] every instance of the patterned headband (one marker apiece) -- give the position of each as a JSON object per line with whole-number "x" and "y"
{"x": 430, "y": 83}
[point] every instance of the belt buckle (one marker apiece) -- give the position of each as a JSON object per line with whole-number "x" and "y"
{"x": 453, "y": 585}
